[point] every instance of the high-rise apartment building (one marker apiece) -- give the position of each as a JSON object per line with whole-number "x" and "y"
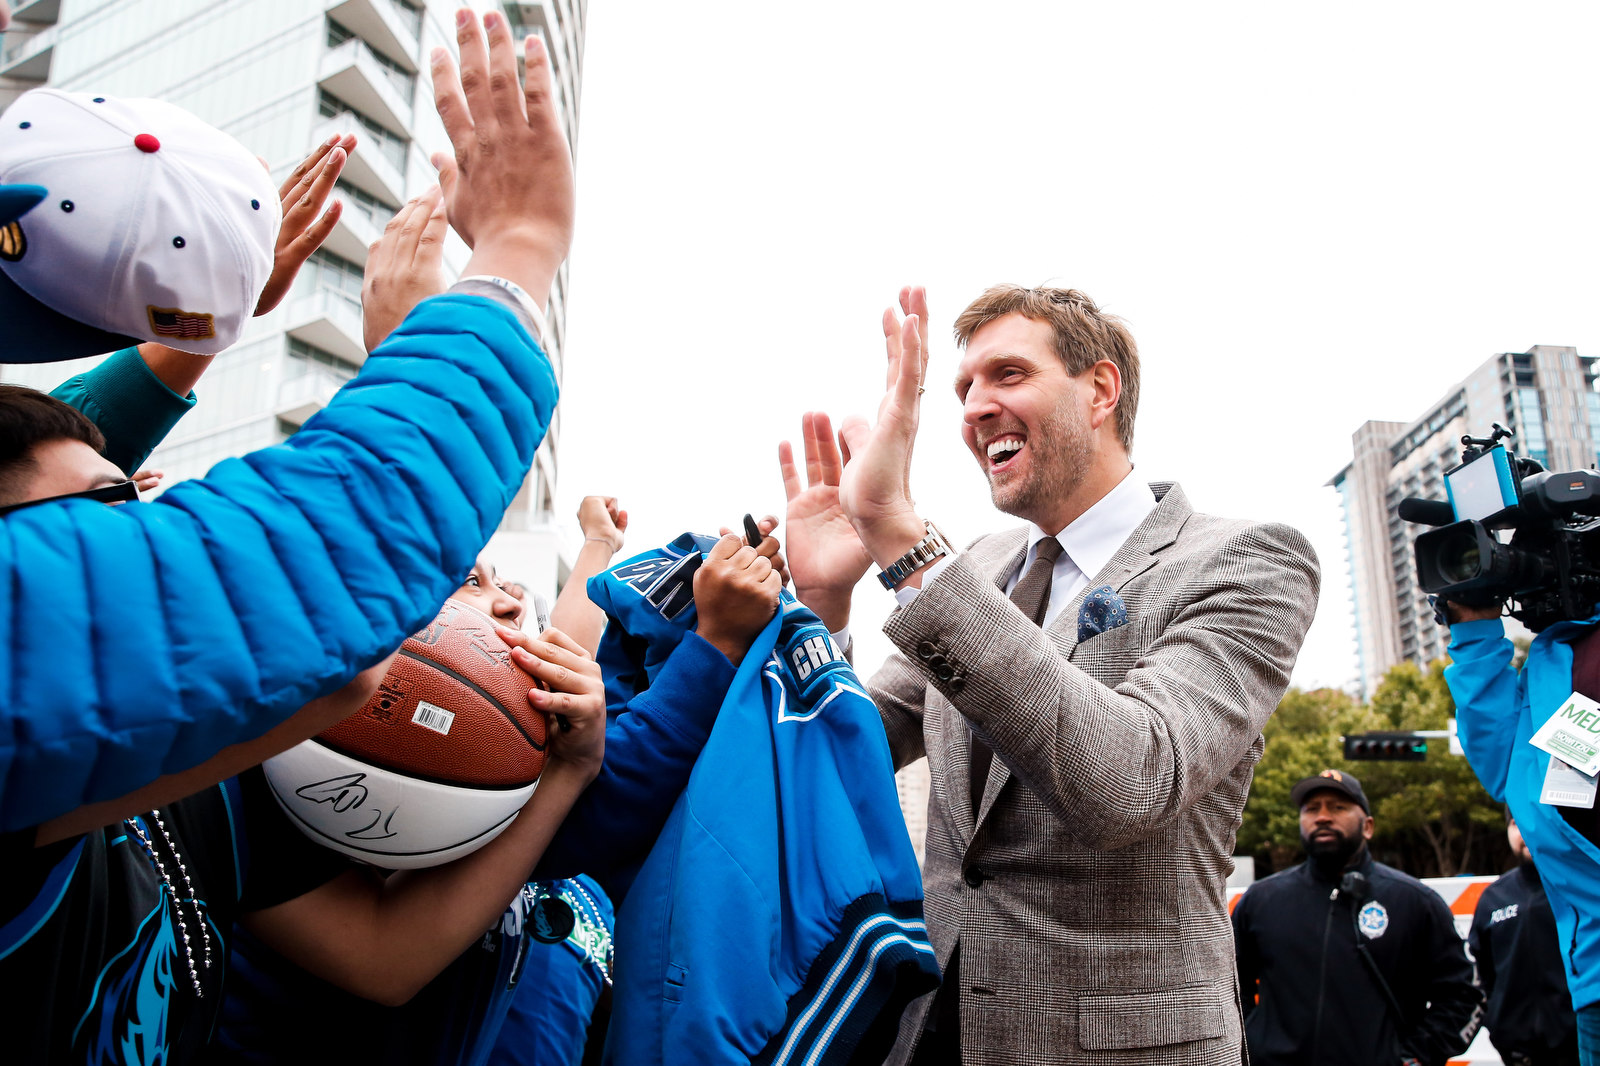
{"x": 281, "y": 76}
{"x": 1546, "y": 395}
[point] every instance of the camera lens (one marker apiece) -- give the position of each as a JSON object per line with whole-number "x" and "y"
{"x": 1459, "y": 559}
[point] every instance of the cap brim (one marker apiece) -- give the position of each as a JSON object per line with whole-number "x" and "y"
{"x": 36, "y": 334}
{"x": 1300, "y": 792}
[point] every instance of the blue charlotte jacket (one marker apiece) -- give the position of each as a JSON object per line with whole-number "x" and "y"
{"x": 141, "y": 640}
{"x": 1498, "y": 710}
{"x": 778, "y": 918}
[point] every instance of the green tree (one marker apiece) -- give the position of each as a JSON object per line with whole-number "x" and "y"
{"x": 1302, "y": 739}
{"x": 1433, "y": 814}
{"x": 1432, "y": 817}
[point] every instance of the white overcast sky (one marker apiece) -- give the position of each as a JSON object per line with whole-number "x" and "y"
{"x": 1311, "y": 216}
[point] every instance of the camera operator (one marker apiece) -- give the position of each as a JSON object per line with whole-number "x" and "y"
{"x": 1344, "y": 961}
{"x": 1498, "y": 710}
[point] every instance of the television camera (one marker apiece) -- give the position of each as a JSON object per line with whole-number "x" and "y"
{"x": 1549, "y": 569}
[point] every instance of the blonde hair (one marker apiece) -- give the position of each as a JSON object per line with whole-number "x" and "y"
{"x": 1083, "y": 336}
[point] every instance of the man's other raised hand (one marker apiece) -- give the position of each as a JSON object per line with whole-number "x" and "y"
{"x": 508, "y": 188}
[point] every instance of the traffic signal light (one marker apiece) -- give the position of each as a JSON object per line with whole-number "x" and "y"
{"x": 1400, "y": 747}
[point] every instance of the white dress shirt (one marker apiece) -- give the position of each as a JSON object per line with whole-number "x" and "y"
{"x": 1087, "y": 544}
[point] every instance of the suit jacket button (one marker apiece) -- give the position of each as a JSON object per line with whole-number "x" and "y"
{"x": 955, "y": 683}
{"x": 975, "y": 877}
{"x": 944, "y": 671}
{"x": 927, "y": 650}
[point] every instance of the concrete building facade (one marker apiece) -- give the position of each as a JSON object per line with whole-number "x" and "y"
{"x": 281, "y": 76}
{"x": 1546, "y": 395}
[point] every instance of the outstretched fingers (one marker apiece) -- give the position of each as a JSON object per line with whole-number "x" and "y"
{"x": 475, "y": 65}
{"x": 808, "y": 430}
{"x": 914, "y": 300}
{"x": 505, "y": 89}
{"x": 537, "y": 84}
{"x": 891, "y": 344}
{"x": 907, "y": 379}
{"x": 430, "y": 242}
{"x": 828, "y": 451}
{"x": 450, "y": 101}
{"x": 787, "y": 469}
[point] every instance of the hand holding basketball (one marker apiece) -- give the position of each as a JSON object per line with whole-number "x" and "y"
{"x": 576, "y": 693}
{"x": 735, "y": 594}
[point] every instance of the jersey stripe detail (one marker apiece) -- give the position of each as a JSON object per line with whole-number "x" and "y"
{"x": 28, "y": 921}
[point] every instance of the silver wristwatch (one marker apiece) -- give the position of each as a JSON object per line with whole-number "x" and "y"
{"x": 921, "y": 554}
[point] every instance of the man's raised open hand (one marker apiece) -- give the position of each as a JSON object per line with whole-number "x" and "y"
{"x": 508, "y": 187}
{"x": 875, "y": 485}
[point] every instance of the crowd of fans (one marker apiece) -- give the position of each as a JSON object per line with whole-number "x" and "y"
{"x": 160, "y": 906}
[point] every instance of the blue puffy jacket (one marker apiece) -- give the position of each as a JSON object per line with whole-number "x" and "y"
{"x": 1498, "y": 710}
{"x": 139, "y": 641}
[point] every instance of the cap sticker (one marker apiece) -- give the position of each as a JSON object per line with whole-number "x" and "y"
{"x": 13, "y": 242}
{"x": 1334, "y": 774}
{"x": 171, "y": 322}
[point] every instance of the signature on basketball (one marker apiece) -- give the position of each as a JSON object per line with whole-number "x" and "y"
{"x": 346, "y": 793}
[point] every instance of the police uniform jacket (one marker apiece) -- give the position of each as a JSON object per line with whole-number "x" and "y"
{"x": 1311, "y": 1000}
{"x": 1518, "y": 952}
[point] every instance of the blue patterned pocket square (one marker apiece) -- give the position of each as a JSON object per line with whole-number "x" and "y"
{"x": 1102, "y": 610}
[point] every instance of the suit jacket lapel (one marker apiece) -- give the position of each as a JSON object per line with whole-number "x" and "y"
{"x": 1137, "y": 555}
{"x": 998, "y": 556}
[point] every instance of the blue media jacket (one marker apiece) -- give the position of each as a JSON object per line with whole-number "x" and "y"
{"x": 139, "y": 641}
{"x": 1498, "y": 710}
{"x": 778, "y": 918}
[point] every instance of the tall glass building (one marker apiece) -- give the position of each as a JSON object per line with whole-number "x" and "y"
{"x": 1546, "y": 395}
{"x": 281, "y": 76}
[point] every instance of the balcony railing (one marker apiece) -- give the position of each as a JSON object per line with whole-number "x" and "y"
{"x": 28, "y": 59}
{"x": 329, "y": 319}
{"x": 44, "y": 12}
{"x": 359, "y": 226}
{"x": 353, "y": 73}
{"x": 393, "y": 29}
{"x": 301, "y": 397}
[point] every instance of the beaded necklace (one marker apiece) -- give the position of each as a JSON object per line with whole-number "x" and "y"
{"x": 137, "y": 829}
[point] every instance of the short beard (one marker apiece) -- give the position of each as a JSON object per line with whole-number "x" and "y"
{"x": 1062, "y": 450}
{"x": 1332, "y": 856}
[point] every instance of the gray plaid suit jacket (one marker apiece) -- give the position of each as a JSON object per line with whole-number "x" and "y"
{"x": 1089, "y": 898}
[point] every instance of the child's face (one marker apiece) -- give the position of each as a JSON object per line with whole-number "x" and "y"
{"x": 488, "y": 595}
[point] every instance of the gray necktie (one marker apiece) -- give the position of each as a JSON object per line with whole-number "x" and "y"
{"x": 1032, "y": 598}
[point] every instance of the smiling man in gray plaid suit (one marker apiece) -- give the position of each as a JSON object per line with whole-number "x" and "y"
{"x": 1089, "y": 691}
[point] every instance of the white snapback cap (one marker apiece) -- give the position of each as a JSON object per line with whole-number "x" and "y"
{"x": 153, "y": 226}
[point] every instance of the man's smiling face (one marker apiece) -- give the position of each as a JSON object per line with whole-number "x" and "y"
{"x": 1025, "y": 419}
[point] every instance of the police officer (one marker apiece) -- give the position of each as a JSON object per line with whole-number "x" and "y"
{"x": 1347, "y": 962}
{"x": 1514, "y": 939}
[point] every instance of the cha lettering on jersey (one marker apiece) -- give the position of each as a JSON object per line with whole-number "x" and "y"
{"x": 811, "y": 654}
{"x": 807, "y": 670}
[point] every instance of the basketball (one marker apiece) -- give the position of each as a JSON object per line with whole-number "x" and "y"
{"x": 435, "y": 765}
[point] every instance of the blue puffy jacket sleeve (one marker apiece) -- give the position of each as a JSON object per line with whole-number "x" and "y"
{"x": 1484, "y": 688}
{"x": 139, "y": 641}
